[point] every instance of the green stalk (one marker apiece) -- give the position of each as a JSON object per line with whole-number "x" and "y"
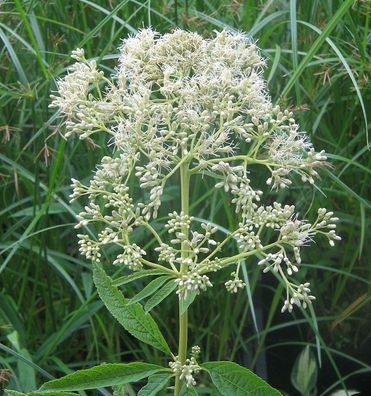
{"x": 183, "y": 317}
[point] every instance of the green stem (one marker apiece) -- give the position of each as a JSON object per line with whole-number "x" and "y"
{"x": 234, "y": 259}
{"x": 247, "y": 159}
{"x": 158, "y": 266}
{"x": 183, "y": 317}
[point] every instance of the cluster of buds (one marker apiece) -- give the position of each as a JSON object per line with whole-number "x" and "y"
{"x": 234, "y": 284}
{"x": 187, "y": 371}
{"x": 300, "y": 296}
{"x": 192, "y": 282}
{"x": 131, "y": 257}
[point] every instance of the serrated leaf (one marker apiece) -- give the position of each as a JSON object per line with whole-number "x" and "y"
{"x": 102, "y": 376}
{"x": 160, "y": 295}
{"x": 131, "y": 317}
{"x": 304, "y": 372}
{"x": 151, "y": 288}
{"x": 232, "y": 379}
{"x": 123, "y": 280}
{"x": 155, "y": 383}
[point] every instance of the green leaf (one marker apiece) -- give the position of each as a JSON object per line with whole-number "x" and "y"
{"x": 155, "y": 383}
{"x": 102, "y": 376}
{"x": 26, "y": 373}
{"x": 13, "y": 56}
{"x": 345, "y": 187}
{"x": 304, "y": 372}
{"x": 232, "y": 379}
{"x": 39, "y": 393}
{"x": 184, "y": 304}
{"x": 151, "y": 288}
{"x": 123, "y": 280}
{"x": 161, "y": 294}
{"x": 188, "y": 391}
{"x": 131, "y": 317}
{"x": 30, "y": 33}
{"x": 56, "y": 393}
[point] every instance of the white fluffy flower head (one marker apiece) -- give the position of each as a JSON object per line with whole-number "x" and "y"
{"x": 180, "y": 100}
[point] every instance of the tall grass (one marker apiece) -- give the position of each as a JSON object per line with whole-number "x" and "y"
{"x": 51, "y": 322}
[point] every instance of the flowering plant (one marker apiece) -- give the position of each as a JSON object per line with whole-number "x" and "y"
{"x": 183, "y": 106}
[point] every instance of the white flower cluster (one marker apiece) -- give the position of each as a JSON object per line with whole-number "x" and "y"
{"x": 179, "y": 100}
{"x": 300, "y": 296}
{"x": 192, "y": 282}
{"x": 131, "y": 257}
{"x": 188, "y": 369}
{"x": 234, "y": 284}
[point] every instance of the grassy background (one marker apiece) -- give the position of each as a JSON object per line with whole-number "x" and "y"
{"x": 51, "y": 322}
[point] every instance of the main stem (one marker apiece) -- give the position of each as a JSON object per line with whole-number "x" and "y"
{"x": 183, "y": 317}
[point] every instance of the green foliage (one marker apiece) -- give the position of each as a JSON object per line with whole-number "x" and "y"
{"x": 39, "y": 393}
{"x": 185, "y": 304}
{"x": 188, "y": 391}
{"x": 101, "y": 376}
{"x": 151, "y": 288}
{"x": 131, "y": 317}
{"x": 232, "y": 379}
{"x": 160, "y": 295}
{"x": 123, "y": 280}
{"x": 26, "y": 372}
{"x": 155, "y": 383}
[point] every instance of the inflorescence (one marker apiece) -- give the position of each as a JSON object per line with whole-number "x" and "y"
{"x": 187, "y": 371}
{"x": 180, "y": 99}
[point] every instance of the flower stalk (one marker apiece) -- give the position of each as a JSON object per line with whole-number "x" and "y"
{"x": 183, "y": 316}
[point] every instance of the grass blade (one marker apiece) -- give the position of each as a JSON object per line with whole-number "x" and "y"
{"x": 317, "y": 45}
{"x": 13, "y": 56}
